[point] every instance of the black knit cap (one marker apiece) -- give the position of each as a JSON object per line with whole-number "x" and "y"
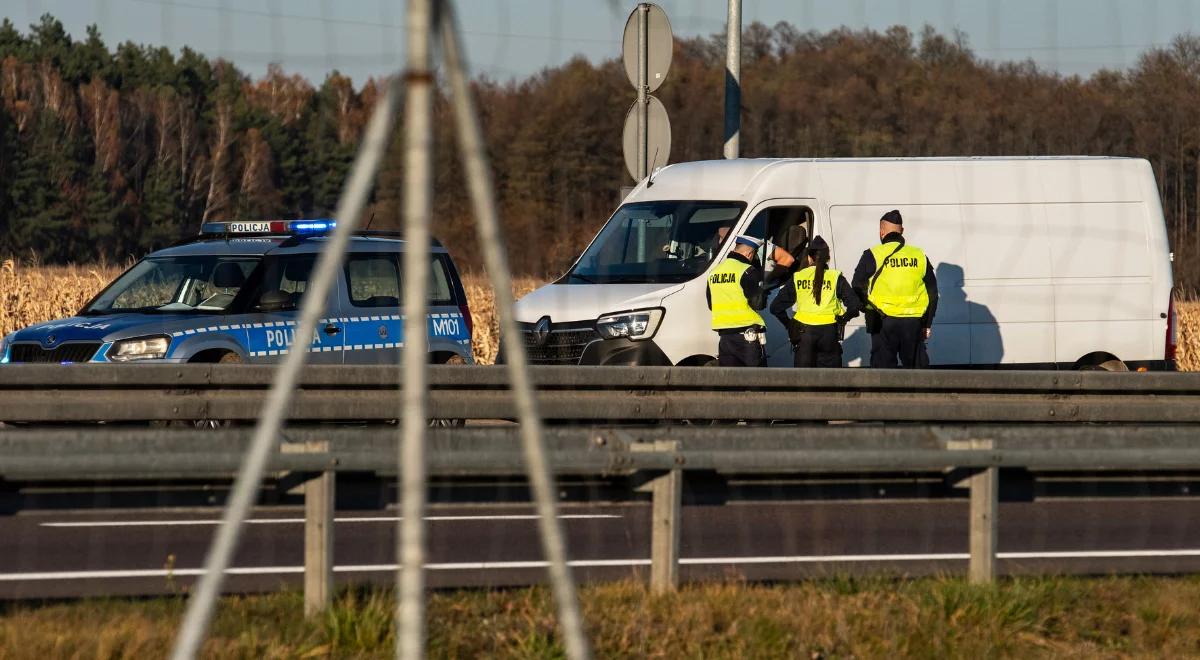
{"x": 818, "y": 244}
{"x": 893, "y": 217}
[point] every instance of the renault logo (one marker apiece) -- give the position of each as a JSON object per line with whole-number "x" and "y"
{"x": 541, "y": 331}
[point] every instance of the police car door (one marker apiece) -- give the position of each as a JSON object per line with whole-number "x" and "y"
{"x": 274, "y": 311}
{"x": 371, "y": 308}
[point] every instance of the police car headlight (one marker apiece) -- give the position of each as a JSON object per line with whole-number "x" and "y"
{"x": 638, "y": 324}
{"x": 139, "y": 348}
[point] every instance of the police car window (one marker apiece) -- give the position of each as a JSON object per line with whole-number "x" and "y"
{"x": 441, "y": 291}
{"x": 283, "y": 281}
{"x": 373, "y": 280}
{"x": 185, "y": 284}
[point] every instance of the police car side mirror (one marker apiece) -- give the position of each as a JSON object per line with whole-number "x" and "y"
{"x": 273, "y": 301}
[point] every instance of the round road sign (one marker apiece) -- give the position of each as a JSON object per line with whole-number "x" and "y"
{"x": 658, "y": 137}
{"x": 660, "y": 44}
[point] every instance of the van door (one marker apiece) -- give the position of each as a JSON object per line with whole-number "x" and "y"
{"x": 786, "y": 224}
{"x": 274, "y": 311}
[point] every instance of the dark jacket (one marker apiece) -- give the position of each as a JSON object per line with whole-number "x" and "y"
{"x": 752, "y": 284}
{"x": 781, "y": 306}
{"x": 866, "y": 270}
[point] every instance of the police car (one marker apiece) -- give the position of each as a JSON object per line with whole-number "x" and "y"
{"x": 232, "y": 294}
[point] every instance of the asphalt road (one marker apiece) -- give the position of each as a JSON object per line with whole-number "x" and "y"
{"x": 156, "y": 551}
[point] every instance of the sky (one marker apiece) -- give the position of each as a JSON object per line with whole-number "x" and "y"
{"x": 508, "y": 39}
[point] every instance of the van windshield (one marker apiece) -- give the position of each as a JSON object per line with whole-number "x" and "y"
{"x": 652, "y": 242}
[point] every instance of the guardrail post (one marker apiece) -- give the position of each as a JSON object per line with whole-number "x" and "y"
{"x": 664, "y": 537}
{"x": 318, "y": 543}
{"x": 318, "y": 538}
{"x": 666, "y": 503}
{"x": 985, "y": 502}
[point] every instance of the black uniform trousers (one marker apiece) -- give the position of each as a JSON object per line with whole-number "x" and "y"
{"x": 902, "y": 338}
{"x": 734, "y": 350}
{"x": 817, "y": 346}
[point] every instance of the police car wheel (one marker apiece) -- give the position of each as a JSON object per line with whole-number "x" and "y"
{"x": 455, "y": 360}
{"x": 227, "y": 358}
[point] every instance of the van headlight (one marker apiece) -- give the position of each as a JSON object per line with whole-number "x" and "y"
{"x": 139, "y": 348}
{"x": 638, "y": 324}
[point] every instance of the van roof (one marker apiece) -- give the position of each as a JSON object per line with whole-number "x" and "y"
{"x": 739, "y": 178}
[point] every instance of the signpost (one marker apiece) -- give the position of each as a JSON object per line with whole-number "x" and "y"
{"x": 646, "y": 48}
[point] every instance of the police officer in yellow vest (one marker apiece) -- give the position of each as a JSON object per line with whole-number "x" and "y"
{"x": 735, "y": 293}
{"x": 897, "y": 282}
{"x": 824, "y": 302}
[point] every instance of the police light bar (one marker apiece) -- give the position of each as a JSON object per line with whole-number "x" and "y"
{"x": 265, "y": 227}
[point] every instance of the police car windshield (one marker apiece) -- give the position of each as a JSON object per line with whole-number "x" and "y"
{"x": 652, "y": 242}
{"x": 203, "y": 284}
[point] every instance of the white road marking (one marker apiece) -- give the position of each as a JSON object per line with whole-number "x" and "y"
{"x": 296, "y": 521}
{"x": 593, "y": 563}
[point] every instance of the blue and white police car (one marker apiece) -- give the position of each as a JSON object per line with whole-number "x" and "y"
{"x": 232, "y": 295}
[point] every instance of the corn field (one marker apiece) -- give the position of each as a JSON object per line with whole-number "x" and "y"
{"x": 29, "y": 294}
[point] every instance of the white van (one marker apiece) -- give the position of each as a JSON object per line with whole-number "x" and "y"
{"x": 1040, "y": 262}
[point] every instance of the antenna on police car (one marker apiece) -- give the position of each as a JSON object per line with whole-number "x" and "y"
{"x": 650, "y": 176}
{"x": 369, "y": 221}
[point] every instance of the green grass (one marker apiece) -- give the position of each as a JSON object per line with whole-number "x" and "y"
{"x": 840, "y": 617}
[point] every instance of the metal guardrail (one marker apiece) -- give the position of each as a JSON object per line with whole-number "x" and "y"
{"x": 656, "y": 457}
{"x": 82, "y": 393}
{"x": 1157, "y": 412}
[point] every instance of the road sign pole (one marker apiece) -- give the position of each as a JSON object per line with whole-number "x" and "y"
{"x": 733, "y": 80}
{"x": 642, "y": 107}
{"x": 646, "y": 49}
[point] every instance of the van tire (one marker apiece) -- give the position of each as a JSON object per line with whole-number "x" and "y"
{"x": 1100, "y": 361}
{"x": 1107, "y": 365}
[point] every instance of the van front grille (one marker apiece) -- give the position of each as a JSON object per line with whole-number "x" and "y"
{"x": 563, "y": 345}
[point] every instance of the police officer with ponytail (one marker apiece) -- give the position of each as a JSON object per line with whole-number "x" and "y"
{"x": 735, "y": 294}
{"x": 824, "y": 301}
{"x": 897, "y": 282}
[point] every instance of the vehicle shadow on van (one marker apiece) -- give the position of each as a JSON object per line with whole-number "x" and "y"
{"x": 964, "y": 332}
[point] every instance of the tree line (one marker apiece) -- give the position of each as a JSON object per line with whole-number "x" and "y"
{"x": 108, "y": 153}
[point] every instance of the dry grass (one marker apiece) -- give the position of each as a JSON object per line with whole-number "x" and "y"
{"x": 834, "y": 618}
{"x": 29, "y": 294}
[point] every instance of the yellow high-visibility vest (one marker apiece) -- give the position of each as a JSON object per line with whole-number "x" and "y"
{"x": 899, "y": 291}
{"x": 730, "y": 309}
{"x": 809, "y": 312}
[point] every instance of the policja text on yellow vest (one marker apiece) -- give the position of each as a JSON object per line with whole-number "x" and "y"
{"x": 808, "y": 311}
{"x": 730, "y": 309}
{"x": 899, "y": 292}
